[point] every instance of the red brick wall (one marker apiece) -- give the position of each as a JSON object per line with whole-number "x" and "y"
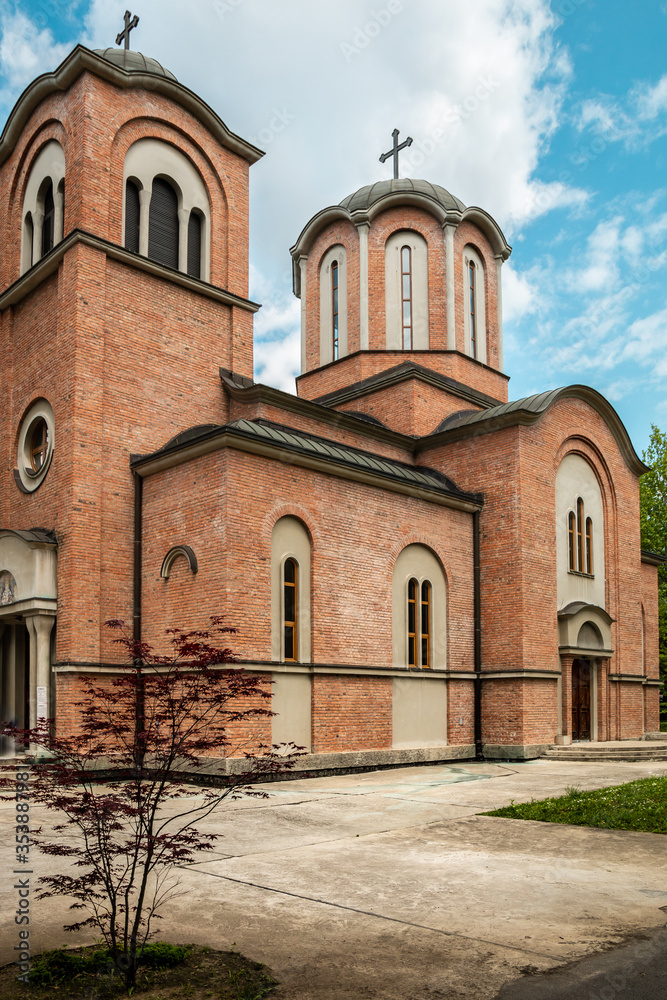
{"x": 411, "y": 407}
{"x": 351, "y": 713}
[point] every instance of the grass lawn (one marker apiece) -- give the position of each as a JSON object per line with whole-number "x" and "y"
{"x": 639, "y": 805}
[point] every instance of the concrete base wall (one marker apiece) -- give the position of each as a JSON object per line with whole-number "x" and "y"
{"x": 509, "y": 751}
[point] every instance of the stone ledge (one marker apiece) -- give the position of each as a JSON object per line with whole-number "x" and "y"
{"x": 511, "y": 751}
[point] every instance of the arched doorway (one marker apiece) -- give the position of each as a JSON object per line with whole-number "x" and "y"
{"x": 581, "y": 699}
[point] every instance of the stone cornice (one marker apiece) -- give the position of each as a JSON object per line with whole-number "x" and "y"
{"x": 49, "y": 264}
{"x": 82, "y": 59}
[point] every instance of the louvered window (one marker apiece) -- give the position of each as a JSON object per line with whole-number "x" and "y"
{"x": 163, "y": 224}
{"x": 48, "y": 225}
{"x": 194, "y": 245}
{"x": 132, "y": 217}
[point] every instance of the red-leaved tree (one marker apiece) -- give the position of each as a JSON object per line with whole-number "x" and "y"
{"x": 119, "y": 780}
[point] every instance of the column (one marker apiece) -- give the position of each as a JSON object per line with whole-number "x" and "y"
{"x": 566, "y": 668}
{"x": 363, "y": 229}
{"x": 499, "y": 295}
{"x": 449, "y": 278}
{"x": 144, "y": 216}
{"x": 183, "y": 221}
{"x": 59, "y": 212}
{"x": 39, "y": 630}
{"x": 37, "y": 227}
{"x": 303, "y": 260}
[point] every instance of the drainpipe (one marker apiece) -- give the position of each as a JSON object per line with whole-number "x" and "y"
{"x": 477, "y": 612}
{"x": 136, "y": 595}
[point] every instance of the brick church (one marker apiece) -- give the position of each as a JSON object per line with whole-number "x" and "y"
{"x": 425, "y": 570}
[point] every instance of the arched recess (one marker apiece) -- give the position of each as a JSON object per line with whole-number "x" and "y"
{"x": 290, "y": 543}
{"x": 474, "y": 295}
{"x": 417, "y": 562}
{"x": 178, "y": 551}
{"x": 403, "y": 296}
{"x": 147, "y": 161}
{"x": 579, "y": 502}
{"x": 43, "y": 205}
{"x": 333, "y": 304}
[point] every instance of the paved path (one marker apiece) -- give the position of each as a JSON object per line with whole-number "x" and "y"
{"x": 390, "y": 885}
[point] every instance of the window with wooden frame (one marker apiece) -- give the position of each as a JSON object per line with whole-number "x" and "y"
{"x": 472, "y": 292}
{"x": 580, "y": 540}
{"x": 406, "y": 297}
{"x": 38, "y": 444}
{"x": 419, "y": 623}
{"x": 334, "y": 310}
{"x": 290, "y": 583}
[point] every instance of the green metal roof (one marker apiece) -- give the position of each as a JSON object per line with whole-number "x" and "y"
{"x": 343, "y": 454}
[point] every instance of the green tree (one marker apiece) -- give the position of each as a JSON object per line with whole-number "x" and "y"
{"x": 653, "y": 513}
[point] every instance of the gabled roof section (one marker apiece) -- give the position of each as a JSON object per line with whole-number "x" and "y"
{"x": 287, "y": 444}
{"x": 145, "y": 76}
{"x": 469, "y": 423}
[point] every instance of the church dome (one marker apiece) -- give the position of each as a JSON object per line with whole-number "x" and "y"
{"x": 366, "y": 196}
{"x": 134, "y": 62}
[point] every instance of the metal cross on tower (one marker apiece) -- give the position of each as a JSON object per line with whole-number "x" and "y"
{"x": 395, "y": 151}
{"x": 130, "y": 23}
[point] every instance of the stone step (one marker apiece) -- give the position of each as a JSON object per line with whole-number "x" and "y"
{"x": 613, "y": 754}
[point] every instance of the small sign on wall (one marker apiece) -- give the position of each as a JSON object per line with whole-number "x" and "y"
{"x": 41, "y": 703}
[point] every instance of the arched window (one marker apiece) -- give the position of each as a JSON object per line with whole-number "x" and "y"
{"x": 49, "y": 219}
{"x": 406, "y": 297}
{"x": 194, "y": 244}
{"x": 290, "y": 603}
{"x": 132, "y": 215}
{"x": 28, "y": 238}
{"x": 334, "y": 310}
{"x": 419, "y": 624}
{"x": 167, "y": 208}
{"x": 290, "y": 591}
{"x": 163, "y": 224}
{"x": 473, "y": 308}
{"x": 589, "y": 546}
{"x": 38, "y": 444}
{"x": 333, "y": 305}
{"x": 406, "y": 292}
{"x": 474, "y": 302}
{"x": 580, "y": 540}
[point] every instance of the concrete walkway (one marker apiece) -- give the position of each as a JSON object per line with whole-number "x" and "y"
{"x": 390, "y": 885}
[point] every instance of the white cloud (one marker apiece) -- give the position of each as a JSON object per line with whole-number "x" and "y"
{"x": 277, "y": 362}
{"x": 25, "y": 52}
{"x": 520, "y": 295}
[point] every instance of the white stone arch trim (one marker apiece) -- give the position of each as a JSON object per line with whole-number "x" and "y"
{"x": 290, "y": 540}
{"x": 576, "y": 478}
{"x": 393, "y": 298}
{"x": 419, "y": 562}
{"x": 27, "y": 478}
{"x": 471, "y": 255}
{"x": 338, "y": 254}
{"x": 149, "y": 158}
{"x": 48, "y": 165}
{"x": 173, "y": 554}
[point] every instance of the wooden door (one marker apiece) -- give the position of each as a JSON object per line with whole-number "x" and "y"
{"x": 581, "y": 700}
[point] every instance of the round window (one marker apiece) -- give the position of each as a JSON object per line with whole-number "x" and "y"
{"x": 35, "y": 446}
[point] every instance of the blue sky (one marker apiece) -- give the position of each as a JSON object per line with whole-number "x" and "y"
{"x": 552, "y": 116}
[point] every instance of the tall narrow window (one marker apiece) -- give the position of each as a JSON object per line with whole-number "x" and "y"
{"x": 406, "y": 296}
{"x": 132, "y": 217}
{"x": 426, "y": 625}
{"x": 49, "y": 220}
{"x": 163, "y": 224}
{"x": 39, "y": 444}
{"x": 334, "y": 309}
{"x": 580, "y": 534}
{"x": 29, "y": 237}
{"x": 194, "y": 245}
{"x": 589, "y": 546}
{"x": 419, "y": 624}
{"x": 572, "y": 540}
{"x": 412, "y": 623}
{"x": 290, "y": 574}
{"x": 472, "y": 292}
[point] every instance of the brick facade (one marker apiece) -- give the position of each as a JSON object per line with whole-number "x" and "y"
{"x": 129, "y": 357}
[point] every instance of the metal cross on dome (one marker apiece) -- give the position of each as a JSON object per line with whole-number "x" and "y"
{"x": 395, "y": 151}
{"x": 130, "y": 23}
